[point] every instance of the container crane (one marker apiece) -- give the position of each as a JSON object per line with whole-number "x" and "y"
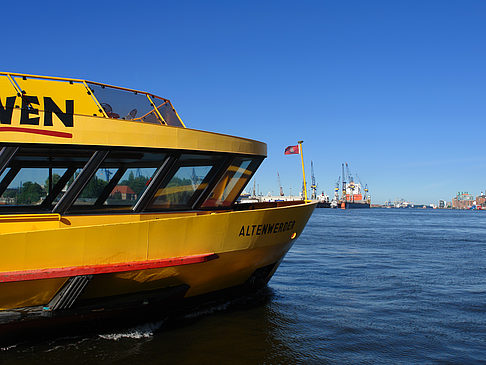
{"x": 367, "y": 197}
{"x": 313, "y": 183}
{"x": 348, "y": 173}
{"x": 336, "y": 189}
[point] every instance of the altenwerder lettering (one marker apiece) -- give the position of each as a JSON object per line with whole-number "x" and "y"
{"x": 262, "y": 229}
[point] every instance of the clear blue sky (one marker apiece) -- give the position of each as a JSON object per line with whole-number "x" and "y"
{"x": 395, "y": 88}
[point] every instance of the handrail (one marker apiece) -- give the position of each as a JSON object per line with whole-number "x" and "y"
{"x": 11, "y": 76}
{"x": 55, "y": 78}
{"x": 30, "y": 217}
{"x": 125, "y": 89}
{"x": 156, "y": 109}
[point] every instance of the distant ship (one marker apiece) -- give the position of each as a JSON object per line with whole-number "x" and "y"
{"x": 323, "y": 201}
{"x": 354, "y": 195}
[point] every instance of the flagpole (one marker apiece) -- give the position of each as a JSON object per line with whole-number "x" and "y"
{"x": 303, "y": 170}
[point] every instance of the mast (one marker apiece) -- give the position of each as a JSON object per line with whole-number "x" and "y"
{"x": 304, "y": 187}
{"x": 313, "y": 183}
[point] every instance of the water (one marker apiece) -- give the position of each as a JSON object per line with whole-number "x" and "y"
{"x": 359, "y": 286}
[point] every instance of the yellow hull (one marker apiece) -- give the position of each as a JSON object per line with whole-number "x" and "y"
{"x": 162, "y": 223}
{"x": 240, "y": 242}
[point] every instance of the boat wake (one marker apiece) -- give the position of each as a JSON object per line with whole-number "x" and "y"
{"x": 143, "y": 331}
{"x": 7, "y": 348}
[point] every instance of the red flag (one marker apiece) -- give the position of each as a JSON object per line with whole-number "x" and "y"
{"x": 292, "y": 150}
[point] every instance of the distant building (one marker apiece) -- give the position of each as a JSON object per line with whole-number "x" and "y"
{"x": 463, "y": 200}
{"x": 442, "y": 204}
{"x": 124, "y": 192}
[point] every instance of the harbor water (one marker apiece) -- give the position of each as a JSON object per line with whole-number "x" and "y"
{"x": 359, "y": 286}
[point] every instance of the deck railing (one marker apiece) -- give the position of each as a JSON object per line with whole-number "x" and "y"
{"x": 91, "y": 98}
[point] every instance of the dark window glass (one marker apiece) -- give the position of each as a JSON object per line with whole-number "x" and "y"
{"x": 117, "y": 184}
{"x": 124, "y": 104}
{"x": 167, "y": 112}
{"x": 120, "y": 181}
{"x": 29, "y": 187}
{"x": 188, "y": 179}
{"x": 232, "y": 183}
{"x": 34, "y": 177}
{"x": 131, "y": 186}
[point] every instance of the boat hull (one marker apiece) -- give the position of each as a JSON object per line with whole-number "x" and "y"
{"x": 203, "y": 253}
{"x": 354, "y": 205}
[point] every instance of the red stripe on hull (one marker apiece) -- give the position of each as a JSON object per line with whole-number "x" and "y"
{"x": 37, "y": 131}
{"x": 11, "y": 276}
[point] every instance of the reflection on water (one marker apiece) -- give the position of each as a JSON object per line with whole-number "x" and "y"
{"x": 244, "y": 330}
{"x": 377, "y": 286}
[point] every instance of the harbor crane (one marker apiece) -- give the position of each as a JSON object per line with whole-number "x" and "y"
{"x": 367, "y": 196}
{"x": 336, "y": 189}
{"x": 313, "y": 183}
{"x": 344, "y": 182}
{"x": 348, "y": 173}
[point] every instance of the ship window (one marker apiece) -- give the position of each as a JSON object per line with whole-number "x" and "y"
{"x": 94, "y": 188}
{"x": 27, "y": 186}
{"x": 37, "y": 177}
{"x": 124, "y": 104}
{"x": 232, "y": 183}
{"x": 131, "y": 186}
{"x": 189, "y": 178}
{"x": 119, "y": 182}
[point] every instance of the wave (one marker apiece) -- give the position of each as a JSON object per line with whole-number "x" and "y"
{"x": 143, "y": 331}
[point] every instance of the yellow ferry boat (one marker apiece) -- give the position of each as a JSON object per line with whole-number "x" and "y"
{"x": 107, "y": 200}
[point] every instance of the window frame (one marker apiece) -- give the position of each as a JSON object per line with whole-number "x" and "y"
{"x": 21, "y": 156}
{"x": 255, "y": 163}
{"x": 207, "y": 182}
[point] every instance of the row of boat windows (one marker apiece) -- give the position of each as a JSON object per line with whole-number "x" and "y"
{"x": 75, "y": 180}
